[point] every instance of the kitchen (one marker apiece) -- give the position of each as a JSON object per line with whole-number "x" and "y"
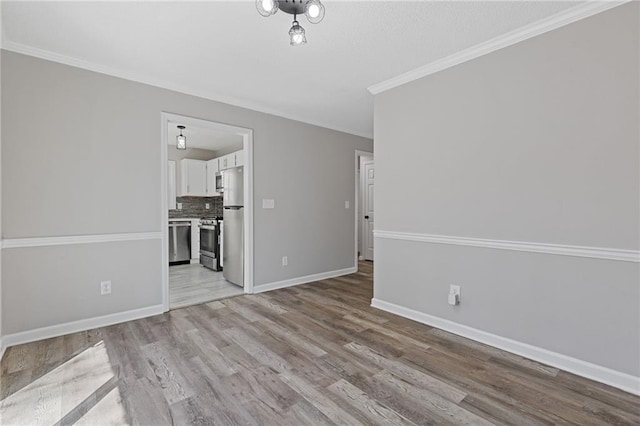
{"x": 205, "y": 171}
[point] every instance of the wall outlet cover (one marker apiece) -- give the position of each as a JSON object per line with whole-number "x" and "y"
{"x": 179, "y": 206}
{"x": 105, "y": 287}
{"x": 268, "y": 204}
{"x": 285, "y": 260}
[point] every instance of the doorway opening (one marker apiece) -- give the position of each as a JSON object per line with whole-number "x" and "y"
{"x": 365, "y": 175}
{"x": 207, "y": 237}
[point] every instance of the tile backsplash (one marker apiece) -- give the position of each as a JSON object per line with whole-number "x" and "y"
{"x": 195, "y": 207}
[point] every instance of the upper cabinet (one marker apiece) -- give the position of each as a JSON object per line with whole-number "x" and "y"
{"x": 227, "y": 161}
{"x": 193, "y": 178}
{"x": 212, "y": 169}
{"x": 234, "y": 159}
{"x": 197, "y": 178}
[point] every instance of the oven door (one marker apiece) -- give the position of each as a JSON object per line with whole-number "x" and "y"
{"x": 208, "y": 241}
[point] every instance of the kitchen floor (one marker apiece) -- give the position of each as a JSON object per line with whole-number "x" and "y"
{"x": 194, "y": 284}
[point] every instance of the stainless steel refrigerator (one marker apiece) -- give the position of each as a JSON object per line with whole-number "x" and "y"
{"x": 233, "y": 224}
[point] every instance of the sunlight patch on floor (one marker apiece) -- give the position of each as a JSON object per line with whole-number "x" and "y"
{"x": 68, "y": 390}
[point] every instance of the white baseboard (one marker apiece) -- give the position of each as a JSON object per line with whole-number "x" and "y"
{"x": 303, "y": 280}
{"x": 80, "y": 325}
{"x": 617, "y": 379}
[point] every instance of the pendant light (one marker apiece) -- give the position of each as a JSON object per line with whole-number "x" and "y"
{"x": 181, "y": 140}
{"x": 296, "y": 34}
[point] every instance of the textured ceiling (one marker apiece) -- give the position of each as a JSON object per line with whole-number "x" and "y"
{"x": 226, "y": 51}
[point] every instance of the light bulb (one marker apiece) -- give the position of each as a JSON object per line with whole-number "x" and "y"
{"x": 314, "y": 10}
{"x": 267, "y": 7}
{"x": 297, "y": 34}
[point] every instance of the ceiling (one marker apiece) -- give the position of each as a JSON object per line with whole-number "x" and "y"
{"x": 226, "y": 51}
{"x": 198, "y": 137}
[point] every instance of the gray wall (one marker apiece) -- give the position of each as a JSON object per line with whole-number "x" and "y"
{"x": 85, "y": 148}
{"x": 537, "y": 142}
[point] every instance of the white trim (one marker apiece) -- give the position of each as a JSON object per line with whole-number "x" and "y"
{"x": 556, "y": 249}
{"x": 303, "y": 280}
{"x": 542, "y": 26}
{"x": 163, "y": 84}
{"x": 247, "y": 137}
{"x": 10, "y": 243}
{"x": 79, "y": 325}
{"x": 614, "y": 378}
{"x": 3, "y": 348}
{"x": 248, "y": 184}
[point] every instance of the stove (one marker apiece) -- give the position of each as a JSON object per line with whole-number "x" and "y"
{"x": 211, "y": 242}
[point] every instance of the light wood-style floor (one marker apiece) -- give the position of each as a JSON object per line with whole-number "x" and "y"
{"x": 312, "y": 354}
{"x": 194, "y": 284}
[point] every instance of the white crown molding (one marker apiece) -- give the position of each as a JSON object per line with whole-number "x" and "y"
{"x": 620, "y": 380}
{"x": 79, "y": 325}
{"x": 542, "y": 26}
{"x": 555, "y": 249}
{"x": 11, "y": 243}
{"x": 303, "y": 280}
{"x": 140, "y": 78}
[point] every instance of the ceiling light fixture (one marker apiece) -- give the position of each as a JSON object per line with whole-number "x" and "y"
{"x": 181, "y": 140}
{"x": 312, "y": 9}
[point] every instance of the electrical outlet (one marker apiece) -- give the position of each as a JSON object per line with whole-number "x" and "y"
{"x": 454, "y": 295}
{"x": 285, "y": 260}
{"x": 268, "y": 204}
{"x": 179, "y": 206}
{"x": 207, "y": 206}
{"x": 105, "y": 287}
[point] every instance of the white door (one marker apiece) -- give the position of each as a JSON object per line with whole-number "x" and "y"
{"x": 369, "y": 175}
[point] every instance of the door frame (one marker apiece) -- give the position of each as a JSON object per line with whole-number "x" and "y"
{"x": 247, "y": 145}
{"x": 359, "y": 200}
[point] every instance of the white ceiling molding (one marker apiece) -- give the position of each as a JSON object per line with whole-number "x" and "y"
{"x": 90, "y": 66}
{"x": 542, "y": 26}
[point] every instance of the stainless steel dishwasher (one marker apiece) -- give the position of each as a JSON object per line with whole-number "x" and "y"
{"x": 179, "y": 242}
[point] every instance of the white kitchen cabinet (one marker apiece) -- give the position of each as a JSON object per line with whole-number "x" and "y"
{"x": 227, "y": 161}
{"x": 212, "y": 169}
{"x": 193, "y": 177}
{"x": 239, "y": 158}
{"x": 171, "y": 185}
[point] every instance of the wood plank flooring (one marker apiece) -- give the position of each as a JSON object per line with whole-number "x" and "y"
{"x": 306, "y": 355}
{"x": 194, "y": 284}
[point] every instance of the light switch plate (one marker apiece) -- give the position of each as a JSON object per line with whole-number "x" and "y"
{"x": 179, "y": 206}
{"x": 346, "y": 204}
{"x": 268, "y": 204}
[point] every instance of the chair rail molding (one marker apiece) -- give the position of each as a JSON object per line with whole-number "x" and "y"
{"x": 552, "y": 249}
{"x": 10, "y": 243}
